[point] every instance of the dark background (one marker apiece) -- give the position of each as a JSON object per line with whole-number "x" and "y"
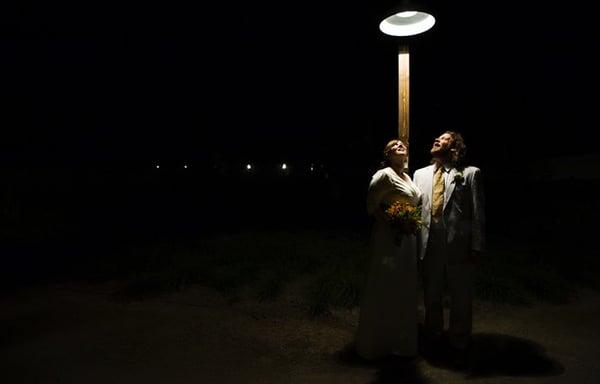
{"x": 94, "y": 95}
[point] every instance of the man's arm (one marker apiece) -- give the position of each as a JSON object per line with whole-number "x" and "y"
{"x": 478, "y": 218}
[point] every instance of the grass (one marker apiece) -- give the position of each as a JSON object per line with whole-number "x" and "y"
{"x": 513, "y": 273}
{"x": 335, "y": 288}
{"x": 263, "y": 261}
{"x": 334, "y": 264}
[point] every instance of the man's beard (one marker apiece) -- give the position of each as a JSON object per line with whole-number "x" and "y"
{"x": 440, "y": 153}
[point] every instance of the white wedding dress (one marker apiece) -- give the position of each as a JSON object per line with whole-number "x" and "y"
{"x": 388, "y": 310}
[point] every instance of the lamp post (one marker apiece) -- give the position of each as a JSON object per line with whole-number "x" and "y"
{"x": 407, "y": 18}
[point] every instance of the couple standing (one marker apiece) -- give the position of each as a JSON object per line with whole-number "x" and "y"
{"x": 447, "y": 246}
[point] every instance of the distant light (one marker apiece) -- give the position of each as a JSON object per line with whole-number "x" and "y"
{"x": 185, "y": 166}
{"x": 312, "y": 167}
{"x": 248, "y": 166}
{"x": 284, "y": 166}
{"x": 157, "y": 166}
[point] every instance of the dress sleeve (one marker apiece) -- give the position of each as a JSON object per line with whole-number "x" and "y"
{"x": 379, "y": 185}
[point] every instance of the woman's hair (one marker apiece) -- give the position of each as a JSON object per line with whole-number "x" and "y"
{"x": 386, "y": 152}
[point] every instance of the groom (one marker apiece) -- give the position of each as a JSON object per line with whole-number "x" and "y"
{"x": 451, "y": 241}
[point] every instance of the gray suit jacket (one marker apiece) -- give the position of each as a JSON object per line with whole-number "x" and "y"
{"x": 463, "y": 213}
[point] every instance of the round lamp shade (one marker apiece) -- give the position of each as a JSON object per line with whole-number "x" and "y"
{"x": 407, "y": 23}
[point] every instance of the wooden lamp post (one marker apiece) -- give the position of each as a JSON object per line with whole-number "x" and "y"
{"x": 407, "y": 18}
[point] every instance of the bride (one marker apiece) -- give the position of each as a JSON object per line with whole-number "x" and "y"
{"x": 388, "y": 309}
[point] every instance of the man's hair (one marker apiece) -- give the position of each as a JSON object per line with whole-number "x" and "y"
{"x": 458, "y": 148}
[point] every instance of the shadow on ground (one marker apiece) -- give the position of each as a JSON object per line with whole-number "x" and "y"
{"x": 389, "y": 370}
{"x": 500, "y": 355}
{"x": 490, "y": 355}
{"x": 503, "y": 355}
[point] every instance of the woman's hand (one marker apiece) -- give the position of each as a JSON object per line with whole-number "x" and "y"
{"x": 380, "y": 215}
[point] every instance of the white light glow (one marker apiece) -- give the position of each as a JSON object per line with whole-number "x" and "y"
{"x": 284, "y": 166}
{"x": 157, "y": 166}
{"x": 248, "y": 166}
{"x": 185, "y": 166}
{"x": 407, "y": 23}
{"x": 406, "y": 14}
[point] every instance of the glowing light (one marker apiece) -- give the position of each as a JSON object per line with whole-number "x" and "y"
{"x": 157, "y": 166}
{"x": 406, "y": 14}
{"x": 284, "y": 166}
{"x": 248, "y": 166}
{"x": 312, "y": 167}
{"x": 407, "y": 23}
{"x": 185, "y": 166}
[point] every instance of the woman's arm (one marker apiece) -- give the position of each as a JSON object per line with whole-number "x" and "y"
{"x": 379, "y": 186}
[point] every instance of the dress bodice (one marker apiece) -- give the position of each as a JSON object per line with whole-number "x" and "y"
{"x": 387, "y": 187}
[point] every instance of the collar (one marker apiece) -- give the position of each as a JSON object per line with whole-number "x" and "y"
{"x": 447, "y": 167}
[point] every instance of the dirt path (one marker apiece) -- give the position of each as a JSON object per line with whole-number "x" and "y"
{"x": 79, "y": 334}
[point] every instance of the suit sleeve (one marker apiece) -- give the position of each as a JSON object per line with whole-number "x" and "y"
{"x": 415, "y": 177}
{"x": 417, "y": 181}
{"x": 478, "y": 219}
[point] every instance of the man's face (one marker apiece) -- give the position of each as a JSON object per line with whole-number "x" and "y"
{"x": 441, "y": 145}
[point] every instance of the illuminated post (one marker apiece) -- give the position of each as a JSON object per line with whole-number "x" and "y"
{"x": 403, "y": 94}
{"x": 406, "y": 20}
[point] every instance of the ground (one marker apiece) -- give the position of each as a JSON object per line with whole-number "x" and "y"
{"x": 84, "y": 333}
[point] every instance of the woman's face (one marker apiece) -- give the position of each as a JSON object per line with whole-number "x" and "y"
{"x": 398, "y": 149}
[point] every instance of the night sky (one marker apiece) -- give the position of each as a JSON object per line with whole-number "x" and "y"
{"x": 144, "y": 81}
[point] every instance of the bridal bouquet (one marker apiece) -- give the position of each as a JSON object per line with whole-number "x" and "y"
{"x": 404, "y": 218}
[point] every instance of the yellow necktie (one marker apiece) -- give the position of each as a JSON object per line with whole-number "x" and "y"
{"x": 438, "y": 195}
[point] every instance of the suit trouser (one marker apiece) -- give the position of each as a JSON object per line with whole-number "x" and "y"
{"x": 436, "y": 272}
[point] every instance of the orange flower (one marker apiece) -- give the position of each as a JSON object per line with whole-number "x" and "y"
{"x": 404, "y": 217}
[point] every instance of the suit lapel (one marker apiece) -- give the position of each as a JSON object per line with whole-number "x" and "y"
{"x": 429, "y": 186}
{"x": 451, "y": 186}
